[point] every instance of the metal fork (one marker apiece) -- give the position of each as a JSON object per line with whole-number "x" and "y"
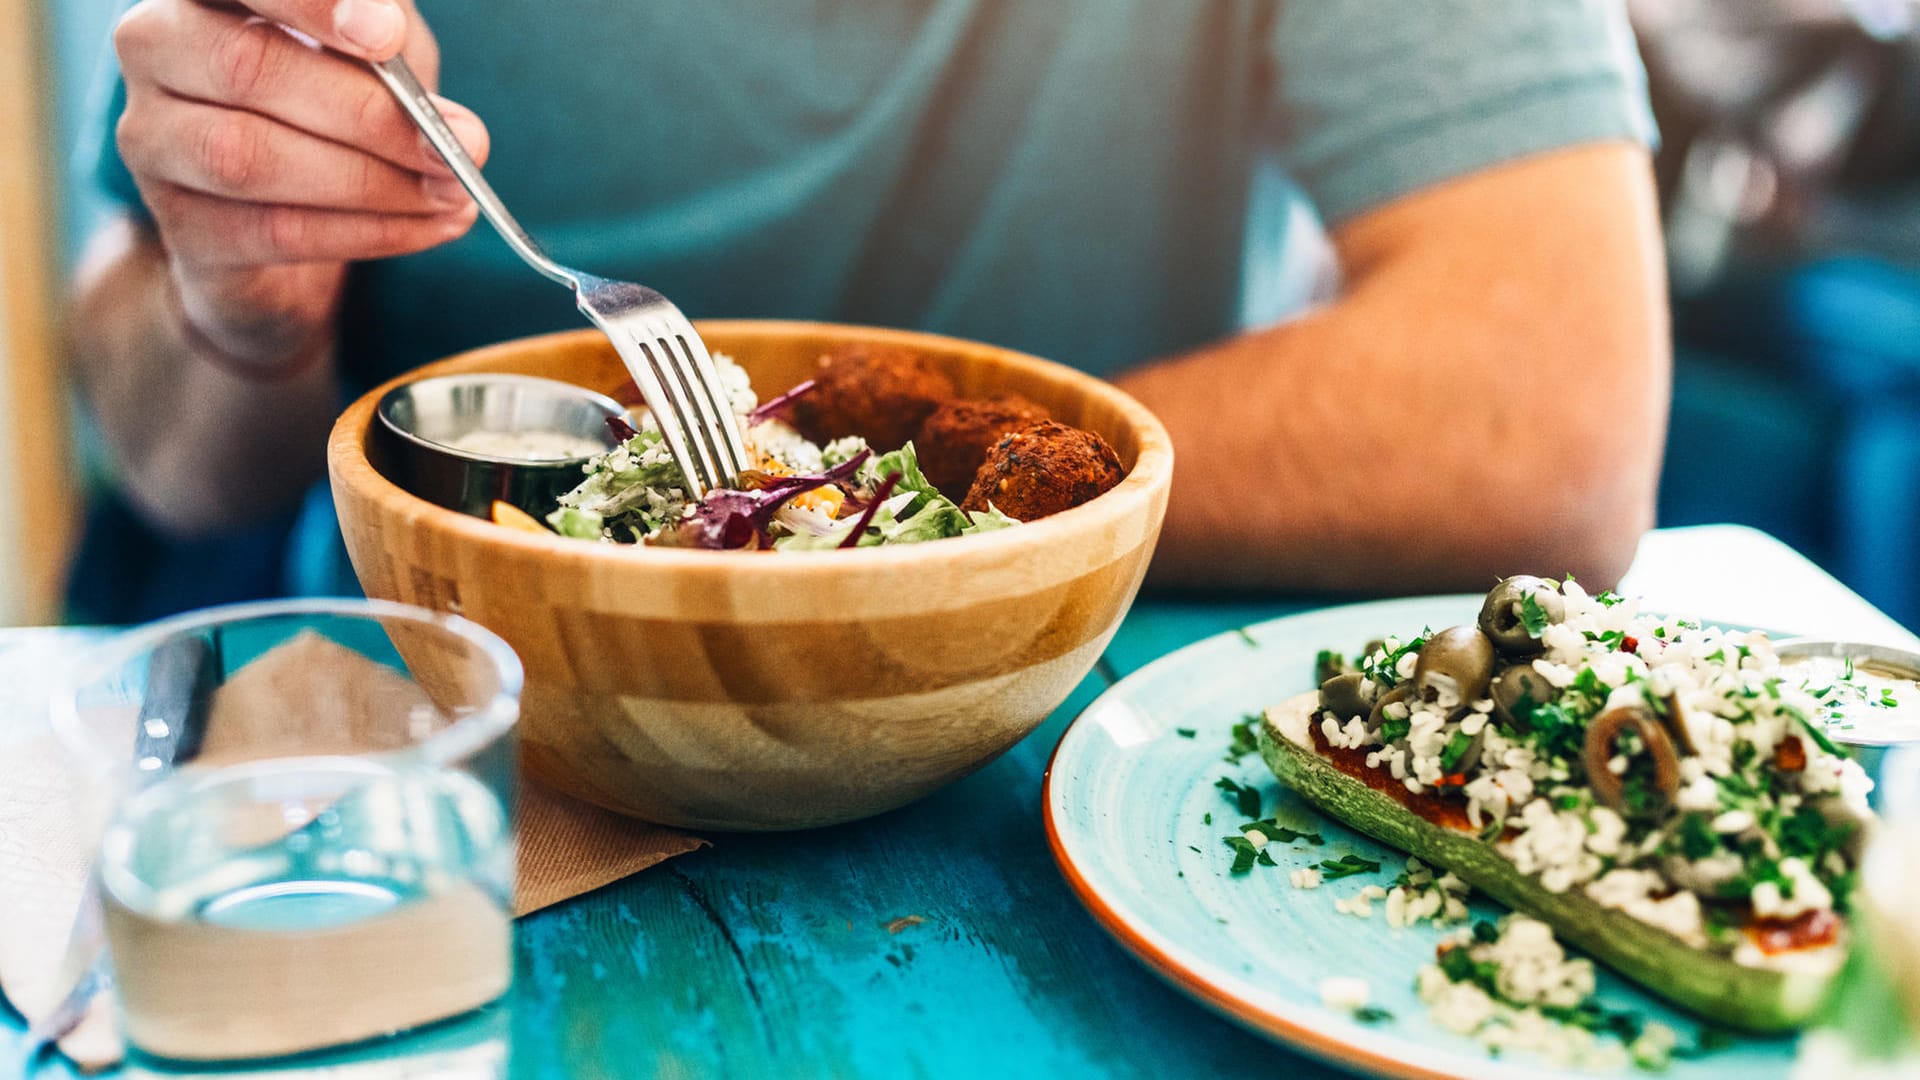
{"x": 666, "y": 358}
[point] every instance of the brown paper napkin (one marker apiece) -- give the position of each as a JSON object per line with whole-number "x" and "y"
{"x": 565, "y": 848}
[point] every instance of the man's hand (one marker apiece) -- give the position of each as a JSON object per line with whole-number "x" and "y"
{"x": 270, "y": 162}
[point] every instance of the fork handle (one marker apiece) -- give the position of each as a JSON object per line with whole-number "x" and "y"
{"x": 414, "y": 98}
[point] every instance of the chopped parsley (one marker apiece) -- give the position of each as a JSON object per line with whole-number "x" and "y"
{"x": 1245, "y": 798}
{"x": 1818, "y": 731}
{"x": 1246, "y": 738}
{"x": 1279, "y": 833}
{"x": 1696, "y": 836}
{"x": 1384, "y": 672}
{"x": 1246, "y": 637}
{"x": 1709, "y": 1040}
{"x": 1597, "y": 1018}
{"x": 1534, "y": 617}
{"x": 1456, "y": 748}
{"x": 1245, "y": 854}
{"x": 1372, "y": 1014}
{"x": 1185, "y": 732}
{"x": 1460, "y": 966}
{"x": 1392, "y": 730}
{"x": 1327, "y": 664}
{"x": 1346, "y": 866}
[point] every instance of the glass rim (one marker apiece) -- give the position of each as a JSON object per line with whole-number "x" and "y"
{"x": 460, "y": 739}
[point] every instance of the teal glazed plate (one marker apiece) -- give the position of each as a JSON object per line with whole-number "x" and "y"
{"x": 1135, "y": 820}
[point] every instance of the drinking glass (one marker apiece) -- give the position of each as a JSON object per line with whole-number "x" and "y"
{"x": 304, "y": 820}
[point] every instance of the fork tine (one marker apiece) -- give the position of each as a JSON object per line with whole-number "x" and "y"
{"x": 722, "y": 431}
{"x": 667, "y": 369}
{"x": 732, "y": 439}
{"x": 642, "y": 370}
{"x": 701, "y": 424}
{"x": 686, "y": 389}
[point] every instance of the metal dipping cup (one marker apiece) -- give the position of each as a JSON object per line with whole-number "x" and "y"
{"x": 303, "y": 811}
{"x": 420, "y": 420}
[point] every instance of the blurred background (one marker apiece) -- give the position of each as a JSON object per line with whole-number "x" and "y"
{"x": 1789, "y": 173}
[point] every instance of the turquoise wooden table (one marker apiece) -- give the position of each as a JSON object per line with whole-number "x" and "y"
{"x": 939, "y": 940}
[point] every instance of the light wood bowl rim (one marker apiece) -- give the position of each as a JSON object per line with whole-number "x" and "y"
{"x": 1133, "y": 497}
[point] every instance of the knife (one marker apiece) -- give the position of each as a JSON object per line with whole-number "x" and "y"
{"x": 182, "y": 674}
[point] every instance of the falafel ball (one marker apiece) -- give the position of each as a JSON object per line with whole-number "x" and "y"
{"x": 879, "y": 393}
{"x": 953, "y": 442}
{"x": 1042, "y": 469}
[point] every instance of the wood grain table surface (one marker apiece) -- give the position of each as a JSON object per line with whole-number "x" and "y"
{"x": 939, "y": 940}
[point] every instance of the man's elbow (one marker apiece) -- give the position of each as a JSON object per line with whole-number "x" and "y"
{"x": 1585, "y": 511}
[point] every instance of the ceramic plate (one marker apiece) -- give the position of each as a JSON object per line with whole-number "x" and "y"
{"x": 1128, "y": 797}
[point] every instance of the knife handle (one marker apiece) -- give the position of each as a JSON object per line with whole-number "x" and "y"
{"x": 173, "y": 707}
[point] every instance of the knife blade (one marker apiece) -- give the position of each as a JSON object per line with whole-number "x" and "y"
{"x": 182, "y": 674}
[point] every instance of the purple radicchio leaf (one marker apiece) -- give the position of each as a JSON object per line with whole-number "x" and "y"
{"x": 866, "y": 516}
{"x": 774, "y": 404}
{"x": 620, "y": 428}
{"x": 727, "y": 519}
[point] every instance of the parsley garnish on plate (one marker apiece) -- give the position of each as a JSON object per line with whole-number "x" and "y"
{"x": 1246, "y": 738}
{"x": 1185, "y": 732}
{"x": 1346, "y": 866}
{"x": 1245, "y": 798}
{"x": 1372, "y": 1014}
{"x": 1245, "y": 854}
{"x": 1280, "y": 834}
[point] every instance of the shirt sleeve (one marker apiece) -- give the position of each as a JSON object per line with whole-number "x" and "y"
{"x": 1377, "y": 98}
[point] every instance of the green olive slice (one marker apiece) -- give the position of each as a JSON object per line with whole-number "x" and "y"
{"x": 1459, "y": 658}
{"x": 1345, "y": 696}
{"x": 1517, "y": 685}
{"x": 1605, "y": 730}
{"x": 1502, "y": 615}
{"x": 1676, "y": 723}
{"x": 1477, "y": 744}
{"x": 1399, "y": 695}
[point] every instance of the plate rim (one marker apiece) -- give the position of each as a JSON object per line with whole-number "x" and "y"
{"x": 1290, "y": 1029}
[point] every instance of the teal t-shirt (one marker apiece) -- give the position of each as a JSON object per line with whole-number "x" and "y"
{"x": 1096, "y": 181}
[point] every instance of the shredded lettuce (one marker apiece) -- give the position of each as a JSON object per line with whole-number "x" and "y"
{"x": 634, "y": 493}
{"x": 918, "y": 512}
{"x": 576, "y": 523}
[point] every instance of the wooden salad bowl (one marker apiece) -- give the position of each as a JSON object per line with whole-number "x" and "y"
{"x": 751, "y": 691}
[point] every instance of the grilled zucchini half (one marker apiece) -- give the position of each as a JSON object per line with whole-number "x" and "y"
{"x": 1781, "y": 997}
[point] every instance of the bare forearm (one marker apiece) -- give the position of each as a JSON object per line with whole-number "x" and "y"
{"x": 1466, "y": 410}
{"x": 198, "y": 446}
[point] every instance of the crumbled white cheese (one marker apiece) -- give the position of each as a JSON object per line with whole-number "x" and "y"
{"x": 1529, "y": 963}
{"x": 1635, "y": 892}
{"x": 1608, "y": 830}
{"x": 1804, "y": 893}
{"x": 1344, "y": 992}
{"x": 1733, "y": 821}
{"x": 1699, "y": 796}
{"x": 1459, "y": 1007}
{"x": 1360, "y": 904}
{"x": 1306, "y": 877}
{"x": 1552, "y": 844}
{"x": 1534, "y": 969}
